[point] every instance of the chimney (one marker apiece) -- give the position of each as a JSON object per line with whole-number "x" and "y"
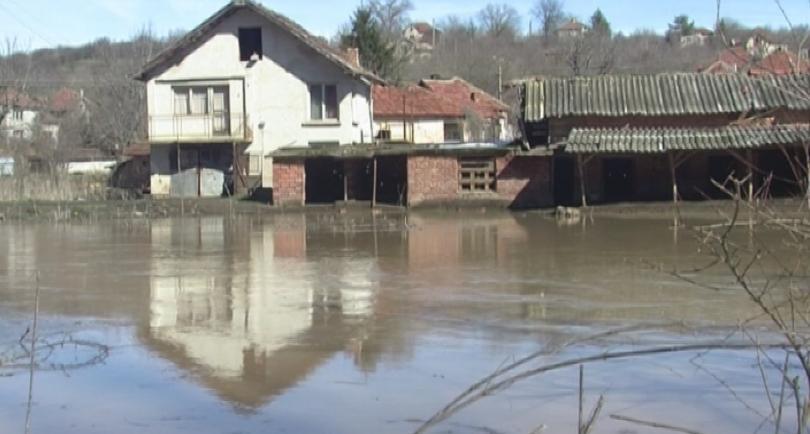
{"x": 352, "y": 56}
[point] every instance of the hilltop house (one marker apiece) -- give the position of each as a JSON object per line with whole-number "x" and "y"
{"x": 438, "y": 111}
{"x": 758, "y": 56}
{"x": 420, "y": 38}
{"x": 571, "y": 29}
{"x": 245, "y": 82}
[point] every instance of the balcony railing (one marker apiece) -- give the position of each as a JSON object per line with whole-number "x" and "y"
{"x": 199, "y": 128}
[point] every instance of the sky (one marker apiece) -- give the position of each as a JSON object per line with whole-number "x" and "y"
{"x": 45, "y": 23}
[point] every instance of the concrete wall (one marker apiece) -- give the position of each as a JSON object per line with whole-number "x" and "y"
{"x": 273, "y": 90}
{"x": 421, "y": 131}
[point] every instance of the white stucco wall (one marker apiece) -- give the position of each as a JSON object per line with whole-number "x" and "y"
{"x": 26, "y": 124}
{"x": 273, "y": 90}
{"x": 421, "y": 131}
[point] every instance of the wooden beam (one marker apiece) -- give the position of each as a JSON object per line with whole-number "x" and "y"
{"x": 374, "y": 187}
{"x": 582, "y": 184}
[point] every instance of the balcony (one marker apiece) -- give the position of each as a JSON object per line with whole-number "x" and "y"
{"x": 208, "y": 128}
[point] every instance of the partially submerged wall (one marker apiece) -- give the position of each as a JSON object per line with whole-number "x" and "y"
{"x": 289, "y": 182}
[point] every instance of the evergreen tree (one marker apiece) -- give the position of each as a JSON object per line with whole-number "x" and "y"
{"x": 683, "y": 25}
{"x": 599, "y": 24}
{"x": 376, "y": 54}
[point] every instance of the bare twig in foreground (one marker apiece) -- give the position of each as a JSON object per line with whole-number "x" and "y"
{"x": 33, "y": 355}
{"x": 653, "y": 424}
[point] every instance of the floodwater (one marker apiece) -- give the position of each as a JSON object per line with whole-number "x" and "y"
{"x": 363, "y": 323}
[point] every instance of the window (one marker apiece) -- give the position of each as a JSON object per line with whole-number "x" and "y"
{"x": 17, "y": 115}
{"x": 18, "y": 134}
{"x": 453, "y": 132}
{"x": 181, "y": 100}
{"x": 250, "y": 43}
{"x": 323, "y": 102}
{"x": 199, "y": 101}
{"x": 384, "y": 134}
{"x": 195, "y": 100}
{"x": 477, "y": 175}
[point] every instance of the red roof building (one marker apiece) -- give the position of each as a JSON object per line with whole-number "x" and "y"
{"x": 437, "y": 111}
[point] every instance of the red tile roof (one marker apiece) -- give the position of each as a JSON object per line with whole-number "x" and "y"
{"x": 64, "y": 100}
{"x": 452, "y": 98}
{"x": 738, "y": 59}
{"x": 14, "y": 98}
{"x": 467, "y": 96}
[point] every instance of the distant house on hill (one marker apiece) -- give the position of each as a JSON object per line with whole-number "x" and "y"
{"x": 758, "y": 57}
{"x": 438, "y": 111}
{"x": 571, "y": 30}
{"x": 699, "y": 38}
{"x": 421, "y": 38}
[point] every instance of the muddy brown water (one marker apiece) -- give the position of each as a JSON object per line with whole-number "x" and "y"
{"x": 363, "y": 323}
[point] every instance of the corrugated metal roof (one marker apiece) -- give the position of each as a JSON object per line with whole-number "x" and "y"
{"x": 662, "y": 94}
{"x": 660, "y": 140}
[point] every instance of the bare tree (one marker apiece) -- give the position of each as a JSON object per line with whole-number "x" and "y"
{"x": 551, "y": 14}
{"x": 392, "y": 16}
{"x": 499, "y": 21}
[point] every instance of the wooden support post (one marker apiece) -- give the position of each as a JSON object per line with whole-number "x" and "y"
{"x": 345, "y": 184}
{"x": 374, "y": 187}
{"x": 582, "y": 184}
{"x": 807, "y": 171}
{"x": 177, "y": 178}
{"x": 674, "y": 174}
{"x": 749, "y": 157}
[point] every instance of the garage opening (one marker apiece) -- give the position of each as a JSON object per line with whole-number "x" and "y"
{"x": 785, "y": 170}
{"x": 721, "y": 167}
{"x": 619, "y": 179}
{"x": 324, "y": 180}
{"x": 564, "y": 181}
{"x": 392, "y": 180}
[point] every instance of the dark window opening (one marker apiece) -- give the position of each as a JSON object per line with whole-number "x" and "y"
{"x": 250, "y": 43}
{"x": 453, "y": 132}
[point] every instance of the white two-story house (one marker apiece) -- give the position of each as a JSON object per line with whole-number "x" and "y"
{"x": 244, "y": 83}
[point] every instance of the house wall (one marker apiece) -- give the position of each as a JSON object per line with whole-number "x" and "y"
{"x": 432, "y": 179}
{"x": 202, "y": 171}
{"x": 273, "y": 90}
{"x": 290, "y": 182}
{"x": 420, "y": 131}
{"x": 26, "y": 124}
{"x": 525, "y": 182}
{"x": 522, "y": 182}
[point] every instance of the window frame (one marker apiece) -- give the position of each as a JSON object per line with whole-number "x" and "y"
{"x": 322, "y": 88}
{"x": 17, "y": 115}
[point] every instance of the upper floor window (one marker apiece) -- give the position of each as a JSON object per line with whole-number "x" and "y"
{"x": 250, "y": 43}
{"x": 200, "y": 100}
{"x": 323, "y": 102}
{"x": 453, "y": 131}
{"x": 17, "y": 115}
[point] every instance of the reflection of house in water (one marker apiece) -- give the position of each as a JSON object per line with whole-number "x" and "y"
{"x": 251, "y": 321}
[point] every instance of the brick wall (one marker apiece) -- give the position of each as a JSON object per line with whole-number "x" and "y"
{"x": 288, "y": 182}
{"x": 432, "y": 179}
{"x": 522, "y": 182}
{"x": 525, "y": 182}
